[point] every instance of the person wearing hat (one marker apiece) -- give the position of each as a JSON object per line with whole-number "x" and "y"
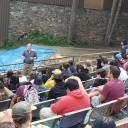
{"x": 58, "y": 90}
{"x": 22, "y": 115}
{"x": 50, "y": 82}
{"x": 119, "y": 59}
{"x": 39, "y": 83}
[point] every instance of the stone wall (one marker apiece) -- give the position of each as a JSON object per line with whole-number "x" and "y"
{"x": 90, "y": 25}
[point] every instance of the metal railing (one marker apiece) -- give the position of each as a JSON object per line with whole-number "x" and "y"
{"x": 37, "y": 64}
{"x": 83, "y": 57}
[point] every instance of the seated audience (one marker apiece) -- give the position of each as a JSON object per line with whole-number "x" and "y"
{"x": 66, "y": 75}
{"x": 66, "y": 69}
{"x": 102, "y": 122}
{"x": 104, "y": 63}
{"x": 123, "y": 75}
{"x": 22, "y": 78}
{"x": 83, "y": 74}
{"x": 119, "y": 59}
{"x": 50, "y": 82}
{"x": 6, "y": 119}
{"x": 14, "y": 82}
{"x": 32, "y": 77}
{"x": 39, "y": 83}
{"x": 22, "y": 115}
{"x": 72, "y": 67}
{"x": 88, "y": 65}
{"x": 58, "y": 90}
{"x": 7, "y": 80}
{"x": 3, "y": 93}
{"x": 75, "y": 99}
{"x": 19, "y": 96}
{"x": 101, "y": 74}
{"x": 112, "y": 90}
{"x": 44, "y": 76}
{"x": 126, "y": 63}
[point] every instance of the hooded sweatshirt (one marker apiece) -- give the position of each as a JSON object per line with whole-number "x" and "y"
{"x": 84, "y": 75}
{"x": 75, "y": 100}
{"x": 99, "y": 82}
{"x": 57, "y": 91}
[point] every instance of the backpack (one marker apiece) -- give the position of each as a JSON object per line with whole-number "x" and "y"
{"x": 30, "y": 94}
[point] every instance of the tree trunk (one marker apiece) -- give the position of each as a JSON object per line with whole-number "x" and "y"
{"x": 110, "y": 21}
{"x": 72, "y": 19}
{"x": 115, "y": 20}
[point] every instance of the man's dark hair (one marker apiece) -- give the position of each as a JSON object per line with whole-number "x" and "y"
{"x": 9, "y": 73}
{"x": 71, "y": 84}
{"x": 66, "y": 75}
{"x": 115, "y": 71}
{"x": 58, "y": 78}
{"x": 104, "y": 122}
{"x": 70, "y": 62}
{"x": 113, "y": 63}
{"x": 104, "y": 61}
{"x": 102, "y": 72}
{"x": 81, "y": 67}
{"x": 66, "y": 65}
{"x": 43, "y": 71}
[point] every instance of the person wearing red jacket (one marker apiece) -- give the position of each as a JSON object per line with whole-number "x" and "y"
{"x": 75, "y": 99}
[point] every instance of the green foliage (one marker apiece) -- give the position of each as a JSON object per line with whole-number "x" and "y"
{"x": 9, "y": 44}
{"x": 37, "y": 37}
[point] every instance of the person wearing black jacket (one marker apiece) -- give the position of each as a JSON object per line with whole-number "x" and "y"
{"x": 58, "y": 90}
{"x": 101, "y": 74}
{"x": 83, "y": 74}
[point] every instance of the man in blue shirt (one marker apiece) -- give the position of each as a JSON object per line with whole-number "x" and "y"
{"x": 29, "y": 56}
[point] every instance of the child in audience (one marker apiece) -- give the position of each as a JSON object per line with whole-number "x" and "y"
{"x": 104, "y": 63}
{"x": 22, "y": 78}
{"x": 72, "y": 68}
{"x": 88, "y": 65}
{"x": 102, "y": 122}
{"x": 3, "y": 93}
{"x": 101, "y": 74}
{"x": 7, "y": 80}
{"x": 83, "y": 74}
{"x": 14, "y": 82}
{"x": 32, "y": 77}
{"x": 66, "y": 69}
{"x": 125, "y": 57}
{"x": 39, "y": 83}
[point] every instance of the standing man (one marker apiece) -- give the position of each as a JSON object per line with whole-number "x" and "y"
{"x": 29, "y": 56}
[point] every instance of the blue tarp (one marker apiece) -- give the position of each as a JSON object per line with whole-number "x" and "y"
{"x": 14, "y": 56}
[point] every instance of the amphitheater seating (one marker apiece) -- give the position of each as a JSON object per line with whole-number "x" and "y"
{"x": 43, "y": 95}
{"x": 119, "y": 105}
{"x": 41, "y": 105}
{"x": 106, "y": 107}
{"x": 4, "y": 104}
{"x": 70, "y": 119}
{"x": 50, "y": 122}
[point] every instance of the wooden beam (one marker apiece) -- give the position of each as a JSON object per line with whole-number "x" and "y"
{"x": 110, "y": 21}
{"x": 72, "y": 20}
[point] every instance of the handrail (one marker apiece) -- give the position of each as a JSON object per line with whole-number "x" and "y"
{"x": 95, "y": 54}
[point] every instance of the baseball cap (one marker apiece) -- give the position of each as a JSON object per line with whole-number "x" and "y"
{"x": 57, "y": 71}
{"x": 118, "y": 56}
{"x": 21, "y": 110}
{"x": 38, "y": 80}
